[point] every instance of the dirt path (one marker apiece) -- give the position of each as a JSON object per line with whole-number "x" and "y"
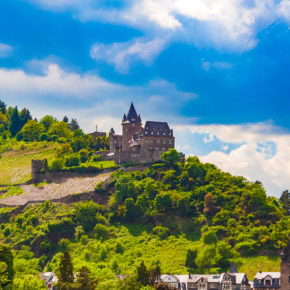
{"x": 59, "y": 188}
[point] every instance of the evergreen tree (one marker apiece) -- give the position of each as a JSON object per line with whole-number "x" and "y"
{"x": 285, "y": 201}
{"x": 2, "y": 107}
{"x": 65, "y": 119}
{"x": 14, "y": 122}
{"x": 84, "y": 279}
{"x": 143, "y": 274}
{"x": 190, "y": 259}
{"x": 74, "y": 125}
{"x": 24, "y": 116}
{"x": 66, "y": 268}
{"x": 6, "y": 267}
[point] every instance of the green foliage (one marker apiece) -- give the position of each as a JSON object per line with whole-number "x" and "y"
{"x": 209, "y": 237}
{"x": 161, "y": 232}
{"x": 190, "y": 259}
{"x": 6, "y": 267}
{"x": 102, "y": 231}
{"x": 60, "y": 129}
{"x": 65, "y": 268}
{"x": 31, "y": 282}
{"x": 47, "y": 121}
{"x": 86, "y": 214}
{"x": 56, "y": 164}
{"x": 14, "y": 125}
{"x": 162, "y": 202}
{"x": 171, "y": 156}
{"x": 72, "y": 160}
{"x": 31, "y": 131}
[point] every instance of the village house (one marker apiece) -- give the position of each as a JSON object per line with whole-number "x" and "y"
{"x": 267, "y": 281}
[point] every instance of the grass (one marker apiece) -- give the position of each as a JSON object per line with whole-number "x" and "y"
{"x": 16, "y": 165}
{"x": 102, "y": 164}
{"x": 13, "y": 190}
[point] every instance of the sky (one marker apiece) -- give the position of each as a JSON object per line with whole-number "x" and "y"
{"x": 216, "y": 70}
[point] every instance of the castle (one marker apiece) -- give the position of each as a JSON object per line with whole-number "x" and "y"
{"x": 137, "y": 143}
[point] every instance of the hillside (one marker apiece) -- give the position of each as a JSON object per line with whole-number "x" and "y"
{"x": 154, "y": 215}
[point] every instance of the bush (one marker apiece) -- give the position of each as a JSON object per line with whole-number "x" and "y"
{"x": 119, "y": 248}
{"x": 61, "y": 140}
{"x": 7, "y": 232}
{"x": 84, "y": 240}
{"x": 84, "y": 155}
{"x": 209, "y": 237}
{"x": 96, "y": 158}
{"x": 44, "y": 137}
{"x": 72, "y": 160}
{"x": 63, "y": 244}
{"x": 56, "y": 164}
{"x": 161, "y": 232}
{"x": 102, "y": 232}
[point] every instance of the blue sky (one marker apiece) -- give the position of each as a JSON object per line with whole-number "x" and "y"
{"x": 217, "y": 71}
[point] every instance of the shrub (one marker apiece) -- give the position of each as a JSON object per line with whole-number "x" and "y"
{"x": 209, "y": 237}
{"x": 161, "y": 232}
{"x": 119, "y": 248}
{"x": 102, "y": 232}
{"x": 44, "y": 137}
{"x": 96, "y": 158}
{"x": 100, "y": 219}
{"x": 61, "y": 140}
{"x": 56, "y": 164}
{"x": 63, "y": 244}
{"x": 84, "y": 155}
{"x": 7, "y": 232}
{"x": 84, "y": 240}
{"x": 79, "y": 231}
{"x": 72, "y": 160}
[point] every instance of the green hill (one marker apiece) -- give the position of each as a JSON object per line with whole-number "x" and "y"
{"x": 154, "y": 215}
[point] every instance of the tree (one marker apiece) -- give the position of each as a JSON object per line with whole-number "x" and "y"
{"x": 6, "y": 267}
{"x": 285, "y": 201}
{"x": 24, "y": 116}
{"x": 209, "y": 238}
{"x": 74, "y": 125}
{"x": 162, "y": 201}
{"x": 60, "y": 129}
{"x": 142, "y": 274}
{"x": 65, "y": 268}
{"x": 190, "y": 259}
{"x": 14, "y": 125}
{"x": 2, "y": 107}
{"x": 210, "y": 208}
{"x": 47, "y": 121}
{"x": 65, "y": 119}
{"x": 131, "y": 209}
{"x": 84, "y": 279}
{"x": 86, "y": 215}
{"x": 171, "y": 156}
{"x": 31, "y": 131}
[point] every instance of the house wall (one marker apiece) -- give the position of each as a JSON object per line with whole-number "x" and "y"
{"x": 157, "y": 143}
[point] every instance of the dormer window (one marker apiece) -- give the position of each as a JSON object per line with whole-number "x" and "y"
{"x": 268, "y": 282}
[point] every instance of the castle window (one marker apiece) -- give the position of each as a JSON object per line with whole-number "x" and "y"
{"x": 151, "y": 141}
{"x": 157, "y": 148}
{"x": 164, "y": 141}
{"x": 170, "y": 142}
{"x": 146, "y": 141}
{"x": 158, "y": 141}
{"x": 163, "y": 149}
{"x": 151, "y": 133}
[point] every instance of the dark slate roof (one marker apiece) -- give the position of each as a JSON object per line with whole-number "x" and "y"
{"x": 234, "y": 268}
{"x": 131, "y": 115}
{"x": 157, "y": 129}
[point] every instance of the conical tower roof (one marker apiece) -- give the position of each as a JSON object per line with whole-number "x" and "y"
{"x": 234, "y": 268}
{"x": 132, "y": 115}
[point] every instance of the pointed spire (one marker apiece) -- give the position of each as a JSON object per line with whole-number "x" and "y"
{"x": 132, "y": 115}
{"x": 234, "y": 268}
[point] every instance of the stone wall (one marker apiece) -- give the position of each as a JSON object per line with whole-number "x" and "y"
{"x": 104, "y": 155}
{"x": 143, "y": 156}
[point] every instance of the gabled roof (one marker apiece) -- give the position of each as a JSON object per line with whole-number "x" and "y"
{"x": 131, "y": 115}
{"x": 263, "y": 275}
{"x": 157, "y": 129}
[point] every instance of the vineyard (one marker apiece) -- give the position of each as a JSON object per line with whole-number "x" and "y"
{"x": 15, "y": 166}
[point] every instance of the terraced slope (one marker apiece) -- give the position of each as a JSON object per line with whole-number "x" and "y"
{"x": 15, "y": 166}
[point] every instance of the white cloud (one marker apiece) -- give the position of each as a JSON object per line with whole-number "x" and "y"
{"x": 231, "y": 24}
{"x": 5, "y": 50}
{"x": 271, "y": 168}
{"x": 122, "y": 55}
{"x": 71, "y": 90}
{"x": 284, "y": 9}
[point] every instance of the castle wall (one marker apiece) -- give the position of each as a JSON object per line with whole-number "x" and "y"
{"x": 129, "y": 128}
{"x": 143, "y": 156}
{"x": 160, "y": 143}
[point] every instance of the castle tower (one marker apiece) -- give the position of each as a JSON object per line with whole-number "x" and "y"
{"x": 285, "y": 268}
{"x": 131, "y": 124}
{"x": 111, "y": 140}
